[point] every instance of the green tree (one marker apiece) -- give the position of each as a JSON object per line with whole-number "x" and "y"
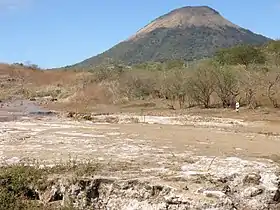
{"x": 274, "y": 48}
{"x": 174, "y": 64}
{"x": 242, "y": 54}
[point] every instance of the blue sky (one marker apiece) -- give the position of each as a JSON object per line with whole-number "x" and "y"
{"x": 53, "y": 33}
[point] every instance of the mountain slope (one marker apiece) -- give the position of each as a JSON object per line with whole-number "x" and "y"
{"x": 188, "y": 33}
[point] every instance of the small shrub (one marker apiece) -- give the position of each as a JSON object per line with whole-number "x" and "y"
{"x": 19, "y": 183}
{"x": 16, "y": 187}
{"x": 138, "y": 85}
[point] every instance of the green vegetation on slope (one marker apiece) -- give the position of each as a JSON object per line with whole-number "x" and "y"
{"x": 243, "y": 55}
{"x": 167, "y": 44}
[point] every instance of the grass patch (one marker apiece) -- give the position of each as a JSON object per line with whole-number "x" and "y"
{"x": 20, "y": 184}
{"x": 17, "y": 187}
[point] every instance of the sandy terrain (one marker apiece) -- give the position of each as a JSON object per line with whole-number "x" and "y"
{"x": 54, "y": 139}
{"x": 189, "y": 161}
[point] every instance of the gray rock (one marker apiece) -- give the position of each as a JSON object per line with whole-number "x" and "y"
{"x": 252, "y": 178}
{"x": 230, "y": 183}
{"x": 252, "y": 192}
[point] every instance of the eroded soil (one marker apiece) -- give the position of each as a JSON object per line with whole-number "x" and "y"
{"x": 148, "y": 139}
{"x": 156, "y": 149}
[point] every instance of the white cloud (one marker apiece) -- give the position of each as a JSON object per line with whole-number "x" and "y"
{"x": 7, "y": 5}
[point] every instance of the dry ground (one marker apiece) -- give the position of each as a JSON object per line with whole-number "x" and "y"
{"x": 147, "y": 139}
{"x": 194, "y": 159}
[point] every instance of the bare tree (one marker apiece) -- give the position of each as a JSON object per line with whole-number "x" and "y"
{"x": 174, "y": 87}
{"x": 251, "y": 84}
{"x": 201, "y": 85}
{"x": 227, "y": 85}
{"x": 273, "y": 90}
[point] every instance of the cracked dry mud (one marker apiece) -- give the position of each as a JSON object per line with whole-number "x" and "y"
{"x": 186, "y": 162}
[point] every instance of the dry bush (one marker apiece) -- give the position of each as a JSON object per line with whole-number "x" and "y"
{"x": 14, "y": 79}
{"x": 226, "y": 84}
{"x": 252, "y": 88}
{"x": 114, "y": 91}
{"x": 45, "y": 91}
{"x": 138, "y": 84}
{"x": 201, "y": 84}
{"x": 204, "y": 83}
{"x": 85, "y": 99}
{"x": 29, "y": 82}
{"x": 174, "y": 87}
{"x": 102, "y": 73}
{"x": 274, "y": 59}
{"x": 273, "y": 87}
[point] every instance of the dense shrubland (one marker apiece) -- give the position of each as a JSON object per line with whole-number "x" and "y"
{"x": 246, "y": 74}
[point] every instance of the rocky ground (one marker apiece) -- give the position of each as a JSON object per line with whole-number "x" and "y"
{"x": 152, "y": 162}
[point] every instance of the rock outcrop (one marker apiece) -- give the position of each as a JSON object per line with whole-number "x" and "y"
{"x": 208, "y": 183}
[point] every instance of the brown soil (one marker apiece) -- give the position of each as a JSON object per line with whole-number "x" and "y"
{"x": 53, "y": 139}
